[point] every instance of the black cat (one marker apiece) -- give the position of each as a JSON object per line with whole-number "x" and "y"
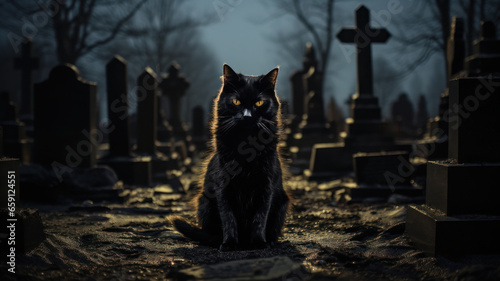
{"x": 242, "y": 204}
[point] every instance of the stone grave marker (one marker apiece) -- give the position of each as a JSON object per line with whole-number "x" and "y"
{"x": 147, "y": 87}
{"x": 403, "y": 116}
{"x": 462, "y": 194}
{"x": 365, "y": 131}
{"x": 436, "y": 136}
{"x": 27, "y": 63}
{"x": 309, "y": 124}
{"x": 15, "y": 143}
{"x": 128, "y": 167}
{"x": 199, "y": 128}
{"x": 65, "y": 119}
{"x": 174, "y": 86}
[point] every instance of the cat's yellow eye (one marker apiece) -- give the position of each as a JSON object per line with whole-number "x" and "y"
{"x": 259, "y": 103}
{"x": 236, "y": 102}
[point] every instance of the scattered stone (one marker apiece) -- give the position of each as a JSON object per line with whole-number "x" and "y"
{"x": 275, "y": 268}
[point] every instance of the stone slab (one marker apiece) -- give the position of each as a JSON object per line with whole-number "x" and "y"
{"x": 274, "y": 268}
{"x": 131, "y": 170}
{"x": 438, "y": 234}
{"x": 474, "y": 130}
{"x": 382, "y": 167}
{"x": 463, "y": 188}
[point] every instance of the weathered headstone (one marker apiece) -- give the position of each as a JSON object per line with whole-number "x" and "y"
{"x": 403, "y": 116}
{"x": 26, "y": 63}
{"x": 461, "y": 192}
{"x": 147, "y": 87}
{"x": 309, "y": 125}
{"x": 365, "y": 131}
{"x": 15, "y": 143}
{"x": 174, "y": 86}
{"x": 313, "y": 121}
{"x": 146, "y": 112}
{"x": 422, "y": 114}
{"x": 65, "y": 111}
{"x": 199, "y": 128}
{"x": 365, "y": 122}
{"x": 130, "y": 169}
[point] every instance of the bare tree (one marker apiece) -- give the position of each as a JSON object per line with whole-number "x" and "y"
{"x": 163, "y": 32}
{"x": 424, "y": 31}
{"x": 316, "y": 19}
{"x": 76, "y": 26}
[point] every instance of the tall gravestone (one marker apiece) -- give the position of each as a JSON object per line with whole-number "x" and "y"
{"x": 434, "y": 145}
{"x": 27, "y": 63}
{"x": 65, "y": 111}
{"x": 403, "y": 116}
{"x": 313, "y": 117}
{"x": 174, "y": 86}
{"x": 199, "y": 128}
{"x": 422, "y": 115}
{"x": 365, "y": 130}
{"x": 309, "y": 125}
{"x": 15, "y": 143}
{"x": 129, "y": 168}
{"x": 461, "y": 214}
{"x": 365, "y": 124}
{"x": 147, "y": 99}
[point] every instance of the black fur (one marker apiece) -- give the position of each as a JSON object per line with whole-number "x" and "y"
{"x": 242, "y": 204}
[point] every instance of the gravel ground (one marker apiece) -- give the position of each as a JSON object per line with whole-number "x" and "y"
{"x": 134, "y": 241}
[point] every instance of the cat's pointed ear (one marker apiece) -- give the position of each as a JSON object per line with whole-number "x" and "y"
{"x": 272, "y": 76}
{"x": 228, "y": 73}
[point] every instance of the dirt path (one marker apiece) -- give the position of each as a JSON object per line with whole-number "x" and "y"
{"x": 133, "y": 241}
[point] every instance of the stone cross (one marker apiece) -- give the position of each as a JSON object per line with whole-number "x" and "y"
{"x": 363, "y": 35}
{"x": 27, "y": 63}
{"x": 175, "y": 87}
{"x": 117, "y": 90}
{"x": 146, "y": 112}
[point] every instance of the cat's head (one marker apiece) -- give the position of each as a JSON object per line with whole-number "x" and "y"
{"x": 248, "y": 101}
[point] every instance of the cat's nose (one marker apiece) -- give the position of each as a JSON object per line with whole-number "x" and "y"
{"x": 247, "y": 113}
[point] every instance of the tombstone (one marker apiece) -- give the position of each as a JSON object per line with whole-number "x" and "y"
{"x": 65, "y": 119}
{"x": 335, "y": 118}
{"x": 313, "y": 119}
{"x": 147, "y": 87}
{"x": 27, "y": 63}
{"x": 16, "y": 145}
{"x": 365, "y": 122}
{"x": 174, "y": 86}
{"x": 164, "y": 130}
{"x": 129, "y": 168}
{"x": 365, "y": 131}
{"x": 484, "y": 61}
{"x": 308, "y": 110}
{"x": 422, "y": 114}
{"x": 199, "y": 128}
{"x": 403, "y": 116}
{"x": 462, "y": 191}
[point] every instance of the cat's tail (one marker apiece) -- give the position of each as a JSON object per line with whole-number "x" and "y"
{"x": 193, "y": 232}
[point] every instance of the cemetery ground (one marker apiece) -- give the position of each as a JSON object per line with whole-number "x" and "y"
{"x": 324, "y": 238}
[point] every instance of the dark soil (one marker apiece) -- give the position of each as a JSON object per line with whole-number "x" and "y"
{"x": 134, "y": 241}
